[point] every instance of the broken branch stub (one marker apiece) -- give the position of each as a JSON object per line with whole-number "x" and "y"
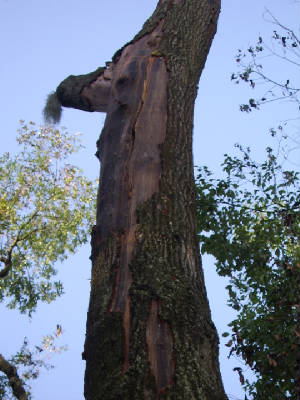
{"x": 88, "y": 92}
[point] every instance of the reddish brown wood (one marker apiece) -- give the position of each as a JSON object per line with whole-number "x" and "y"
{"x": 160, "y": 348}
{"x": 149, "y": 330}
{"x": 138, "y": 152}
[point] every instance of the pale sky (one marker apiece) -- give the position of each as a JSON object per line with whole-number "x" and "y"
{"x": 44, "y": 42}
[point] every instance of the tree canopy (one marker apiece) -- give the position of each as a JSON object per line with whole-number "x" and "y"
{"x": 249, "y": 221}
{"x": 47, "y": 209}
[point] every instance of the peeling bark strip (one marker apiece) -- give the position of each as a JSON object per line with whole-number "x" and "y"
{"x": 149, "y": 330}
{"x": 160, "y": 348}
{"x": 138, "y": 150}
{"x": 129, "y": 145}
{"x": 136, "y": 177}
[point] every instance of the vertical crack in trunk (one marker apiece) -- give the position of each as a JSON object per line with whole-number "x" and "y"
{"x": 138, "y": 318}
{"x": 142, "y": 165}
{"x": 160, "y": 348}
{"x": 142, "y": 324}
{"x": 120, "y": 301}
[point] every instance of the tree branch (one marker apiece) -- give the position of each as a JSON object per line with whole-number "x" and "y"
{"x": 7, "y": 260}
{"x": 265, "y": 78}
{"x": 276, "y": 22}
{"x": 13, "y": 378}
{"x": 274, "y": 53}
{"x": 88, "y": 92}
{"x": 8, "y": 264}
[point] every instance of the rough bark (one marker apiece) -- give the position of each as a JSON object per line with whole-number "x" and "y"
{"x": 149, "y": 329}
{"x": 13, "y": 379}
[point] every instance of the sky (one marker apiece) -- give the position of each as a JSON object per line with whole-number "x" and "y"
{"x": 44, "y": 42}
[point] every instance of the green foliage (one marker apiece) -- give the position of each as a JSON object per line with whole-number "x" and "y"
{"x": 250, "y": 222}
{"x": 46, "y": 210}
{"x": 30, "y": 361}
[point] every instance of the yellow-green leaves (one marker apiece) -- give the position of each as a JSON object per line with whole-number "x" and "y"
{"x": 47, "y": 208}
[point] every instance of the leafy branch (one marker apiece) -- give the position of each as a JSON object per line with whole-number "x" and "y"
{"x": 26, "y": 365}
{"x": 47, "y": 209}
{"x": 253, "y": 231}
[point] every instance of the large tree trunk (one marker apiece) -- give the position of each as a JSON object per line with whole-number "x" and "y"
{"x": 149, "y": 329}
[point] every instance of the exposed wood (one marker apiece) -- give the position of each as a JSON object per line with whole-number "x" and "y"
{"x": 160, "y": 348}
{"x": 132, "y": 165}
{"x": 149, "y": 330}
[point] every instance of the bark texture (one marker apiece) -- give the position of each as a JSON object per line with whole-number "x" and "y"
{"x": 149, "y": 329}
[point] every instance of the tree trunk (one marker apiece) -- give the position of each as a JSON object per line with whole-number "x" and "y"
{"x": 149, "y": 329}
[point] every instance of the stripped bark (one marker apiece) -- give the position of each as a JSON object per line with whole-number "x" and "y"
{"x": 149, "y": 329}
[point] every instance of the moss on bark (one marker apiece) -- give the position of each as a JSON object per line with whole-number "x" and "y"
{"x": 149, "y": 329}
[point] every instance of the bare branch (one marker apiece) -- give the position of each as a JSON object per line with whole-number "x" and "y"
{"x": 265, "y": 78}
{"x": 274, "y": 53}
{"x": 275, "y": 21}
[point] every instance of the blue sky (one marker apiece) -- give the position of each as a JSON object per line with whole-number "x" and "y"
{"x": 44, "y": 42}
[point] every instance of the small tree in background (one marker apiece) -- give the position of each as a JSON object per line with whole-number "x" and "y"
{"x": 250, "y": 222}
{"x": 47, "y": 208}
{"x": 253, "y": 217}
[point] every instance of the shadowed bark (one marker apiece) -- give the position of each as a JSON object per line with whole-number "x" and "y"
{"x": 149, "y": 329}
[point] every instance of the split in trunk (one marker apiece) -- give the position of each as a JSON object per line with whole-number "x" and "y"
{"x": 149, "y": 329}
